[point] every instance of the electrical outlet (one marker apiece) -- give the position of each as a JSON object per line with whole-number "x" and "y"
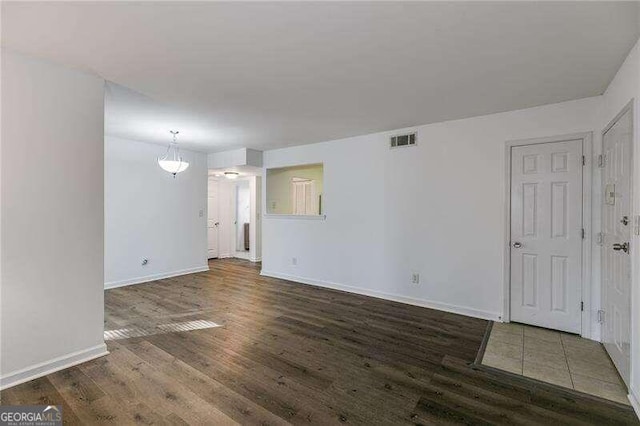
{"x": 294, "y": 261}
{"x": 145, "y": 261}
{"x": 415, "y": 278}
{"x": 201, "y": 213}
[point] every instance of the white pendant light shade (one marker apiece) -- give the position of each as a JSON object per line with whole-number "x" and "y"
{"x": 173, "y": 166}
{"x": 172, "y": 162}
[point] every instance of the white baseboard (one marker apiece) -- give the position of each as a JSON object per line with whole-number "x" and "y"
{"x": 456, "y": 309}
{"x": 147, "y": 278}
{"x": 53, "y": 365}
{"x": 255, "y": 259}
{"x": 635, "y": 402}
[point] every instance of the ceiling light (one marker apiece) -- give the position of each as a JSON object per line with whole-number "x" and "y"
{"x": 231, "y": 175}
{"x": 172, "y": 162}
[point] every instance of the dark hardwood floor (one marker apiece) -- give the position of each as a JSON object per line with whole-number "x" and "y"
{"x": 292, "y": 353}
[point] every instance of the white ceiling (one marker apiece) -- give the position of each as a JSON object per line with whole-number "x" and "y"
{"x": 265, "y": 75}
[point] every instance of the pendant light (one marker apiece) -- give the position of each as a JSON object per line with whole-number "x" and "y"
{"x": 172, "y": 162}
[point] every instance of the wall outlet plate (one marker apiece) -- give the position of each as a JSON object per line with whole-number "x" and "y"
{"x": 415, "y": 278}
{"x": 294, "y": 261}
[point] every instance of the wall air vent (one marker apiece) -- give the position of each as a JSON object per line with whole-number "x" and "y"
{"x": 401, "y": 141}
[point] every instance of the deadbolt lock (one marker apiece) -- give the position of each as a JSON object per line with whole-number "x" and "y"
{"x": 624, "y": 247}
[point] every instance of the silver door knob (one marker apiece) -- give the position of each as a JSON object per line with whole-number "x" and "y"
{"x": 624, "y": 220}
{"x": 517, "y": 245}
{"x": 624, "y": 247}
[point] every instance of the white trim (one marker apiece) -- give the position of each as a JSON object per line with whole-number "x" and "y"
{"x": 244, "y": 255}
{"x": 587, "y": 171}
{"x": 154, "y": 277}
{"x": 456, "y": 309}
{"x": 255, "y": 259}
{"x": 635, "y": 402}
{"x": 53, "y": 365}
{"x": 296, "y": 216}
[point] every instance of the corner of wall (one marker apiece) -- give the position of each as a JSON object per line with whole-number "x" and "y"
{"x": 51, "y": 366}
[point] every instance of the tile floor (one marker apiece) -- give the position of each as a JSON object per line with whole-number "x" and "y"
{"x": 554, "y": 357}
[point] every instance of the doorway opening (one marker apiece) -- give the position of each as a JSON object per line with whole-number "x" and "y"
{"x": 234, "y": 216}
{"x": 242, "y": 220}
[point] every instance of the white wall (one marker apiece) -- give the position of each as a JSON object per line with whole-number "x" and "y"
{"x": 52, "y": 196}
{"x": 235, "y": 158}
{"x": 436, "y": 209}
{"x": 150, "y": 214}
{"x": 625, "y": 87}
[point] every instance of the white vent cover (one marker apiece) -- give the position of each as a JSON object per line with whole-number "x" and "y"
{"x": 401, "y": 141}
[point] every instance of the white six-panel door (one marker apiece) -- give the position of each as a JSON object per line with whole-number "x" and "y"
{"x": 213, "y": 219}
{"x": 546, "y": 235}
{"x": 616, "y": 231}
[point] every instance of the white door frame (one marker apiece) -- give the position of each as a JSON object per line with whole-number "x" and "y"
{"x": 209, "y": 180}
{"x": 587, "y": 151}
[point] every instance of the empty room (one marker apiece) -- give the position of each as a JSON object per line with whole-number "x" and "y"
{"x": 306, "y": 212}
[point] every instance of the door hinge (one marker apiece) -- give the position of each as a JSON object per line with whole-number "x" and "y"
{"x": 584, "y": 160}
{"x": 581, "y": 306}
{"x": 600, "y": 316}
{"x": 600, "y": 160}
{"x": 599, "y": 238}
{"x": 583, "y": 233}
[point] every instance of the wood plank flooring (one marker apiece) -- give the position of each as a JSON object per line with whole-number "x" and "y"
{"x": 291, "y": 353}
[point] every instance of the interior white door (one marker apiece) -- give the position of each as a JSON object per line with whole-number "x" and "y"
{"x": 546, "y": 235}
{"x": 303, "y": 196}
{"x": 213, "y": 219}
{"x": 616, "y": 230}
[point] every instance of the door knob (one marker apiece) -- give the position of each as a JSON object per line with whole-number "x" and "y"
{"x": 517, "y": 245}
{"x": 217, "y": 223}
{"x": 624, "y": 220}
{"x": 624, "y": 247}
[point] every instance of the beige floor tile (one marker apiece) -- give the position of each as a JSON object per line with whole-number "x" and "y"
{"x": 595, "y": 355}
{"x": 554, "y": 357}
{"x": 551, "y": 359}
{"x": 601, "y": 371}
{"x": 542, "y": 334}
{"x": 539, "y": 345}
{"x": 576, "y": 342}
{"x": 612, "y": 391}
{"x": 504, "y": 349}
{"x": 547, "y": 374}
{"x": 504, "y": 337}
{"x": 507, "y": 327}
{"x": 511, "y": 365}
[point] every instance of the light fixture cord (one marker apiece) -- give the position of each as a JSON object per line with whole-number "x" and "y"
{"x": 176, "y": 153}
